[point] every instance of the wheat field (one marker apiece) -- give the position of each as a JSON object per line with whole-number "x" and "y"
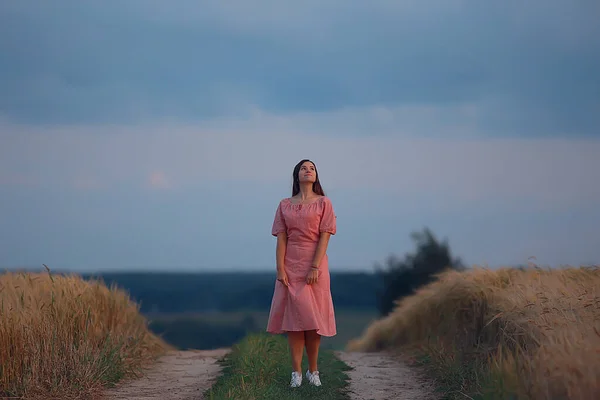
{"x": 63, "y": 337}
{"x": 535, "y": 332}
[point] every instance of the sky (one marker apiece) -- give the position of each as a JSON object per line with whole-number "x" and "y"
{"x": 152, "y": 135}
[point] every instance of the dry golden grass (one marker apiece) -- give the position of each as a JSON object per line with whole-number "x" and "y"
{"x": 536, "y": 332}
{"x": 63, "y": 337}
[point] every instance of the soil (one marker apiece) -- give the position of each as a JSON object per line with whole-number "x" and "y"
{"x": 185, "y": 375}
{"x": 178, "y": 375}
{"x": 383, "y": 376}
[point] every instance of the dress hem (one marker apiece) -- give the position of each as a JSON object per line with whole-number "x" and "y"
{"x": 282, "y": 332}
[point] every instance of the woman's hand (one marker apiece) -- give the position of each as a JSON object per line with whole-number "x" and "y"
{"x": 313, "y": 276}
{"x": 282, "y": 277}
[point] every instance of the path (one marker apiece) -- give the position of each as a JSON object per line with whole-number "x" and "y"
{"x": 185, "y": 375}
{"x": 179, "y": 375}
{"x": 379, "y": 376}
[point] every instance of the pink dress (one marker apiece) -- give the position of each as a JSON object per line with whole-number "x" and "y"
{"x": 302, "y": 307}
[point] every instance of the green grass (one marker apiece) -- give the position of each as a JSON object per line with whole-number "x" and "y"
{"x": 258, "y": 367}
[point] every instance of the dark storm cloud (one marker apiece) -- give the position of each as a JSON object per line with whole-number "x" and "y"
{"x": 528, "y": 69}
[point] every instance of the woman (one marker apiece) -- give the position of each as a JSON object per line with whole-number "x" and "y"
{"x": 302, "y": 306}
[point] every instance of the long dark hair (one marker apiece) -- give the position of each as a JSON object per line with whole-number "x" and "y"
{"x": 296, "y": 185}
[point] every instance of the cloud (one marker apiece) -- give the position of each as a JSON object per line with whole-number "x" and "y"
{"x": 530, "y": 70}
{"x": 545, "y": 173}
{"x": 477, "y": 119}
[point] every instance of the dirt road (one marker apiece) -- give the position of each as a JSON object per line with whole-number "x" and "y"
{"x": 380, "y": 376}
{"x": 185, "y": 375}
{"x": 179, "y": 375}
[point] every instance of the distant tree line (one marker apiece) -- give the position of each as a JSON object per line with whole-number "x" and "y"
{"x": 195, "y": 333}
{"x": 165, "y": 292}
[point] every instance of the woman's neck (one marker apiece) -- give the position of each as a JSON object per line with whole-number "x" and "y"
{"x": 306, "y": 191}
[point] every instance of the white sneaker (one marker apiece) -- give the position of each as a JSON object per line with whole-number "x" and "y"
{"x": 313, "y": 378}
{"x": 296, "y": 379}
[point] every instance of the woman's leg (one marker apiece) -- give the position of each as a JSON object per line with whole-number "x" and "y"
{"x": 296, "y": 343}
{"x": 313, "y": 341}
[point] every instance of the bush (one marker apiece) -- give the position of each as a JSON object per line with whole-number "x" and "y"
{"x": 402, "y": 277}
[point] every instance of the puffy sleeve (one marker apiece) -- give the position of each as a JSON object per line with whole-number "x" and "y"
{"x": 328, "y": 218}
{"x": 279, "y": 222}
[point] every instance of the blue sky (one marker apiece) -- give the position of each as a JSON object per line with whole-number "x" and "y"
{"x": 155, "y": 135}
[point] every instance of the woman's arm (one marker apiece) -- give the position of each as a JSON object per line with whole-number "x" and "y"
{"x": 321, "y": 249}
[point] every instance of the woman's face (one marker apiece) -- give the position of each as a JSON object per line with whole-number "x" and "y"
{"x": 307, "y": 173}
